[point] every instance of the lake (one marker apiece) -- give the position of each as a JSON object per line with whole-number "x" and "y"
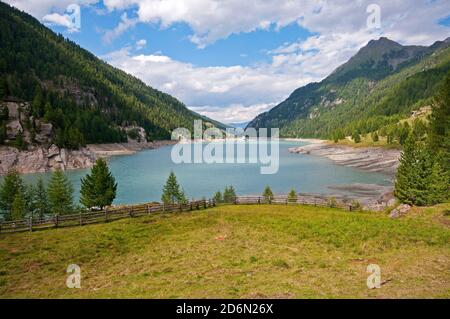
{"x": 141, "y": 176}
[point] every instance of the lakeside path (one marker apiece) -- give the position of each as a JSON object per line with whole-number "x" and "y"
{"x": 373, "y": 159}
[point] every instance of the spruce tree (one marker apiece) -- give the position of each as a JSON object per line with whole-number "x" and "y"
{"x": 218, "y": 197}
{"x": 11, "y": 186}
{"x": 40, "y": 200}
{"x": 229, "y": 194}
{"x": 98, "y": 188}
{"x": 171, "y": 192}
{"x": 60, "y": 194}
{"x": 19, "y": 207}
{"x": 439, "y": 132}
{"x": 406, "y": 173}
{"x": 356, "y": 137}
{"x": 292, "y": 196}
{"x": 267, "y": 195}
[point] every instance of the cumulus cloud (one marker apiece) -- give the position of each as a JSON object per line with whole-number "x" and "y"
{"x": 124, "y": 24}
{"x": 236, "y": 93}
{"x": 242, "y": 92}
{"x": 140, "y": 44}
{"x": 411, "y": 21}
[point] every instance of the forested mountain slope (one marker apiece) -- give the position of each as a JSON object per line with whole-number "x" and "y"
{"x": 85, "y": 99}
{"x": 376, "y": 88}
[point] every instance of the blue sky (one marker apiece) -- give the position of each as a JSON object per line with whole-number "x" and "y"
{"x": 232, "y": 59}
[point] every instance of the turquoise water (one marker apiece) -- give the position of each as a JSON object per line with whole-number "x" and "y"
{"x": 141, "y": 176}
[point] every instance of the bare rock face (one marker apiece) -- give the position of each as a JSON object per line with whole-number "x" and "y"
{"x": 13, "y": 128}
{"x": 40, "y": 159}
{"x": 13, "y": 110}
{"x": 400, "y": 211}
{"x": 53, "y": 151}
{"x": 373, "y": 159}
{"x": 44, "y": 133}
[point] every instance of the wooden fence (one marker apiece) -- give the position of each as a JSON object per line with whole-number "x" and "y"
{"x": 115, "y": 213}
{"x": 106, "y": 215}
{"x": 299, "y": 200}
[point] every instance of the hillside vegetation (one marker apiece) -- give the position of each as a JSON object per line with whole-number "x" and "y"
{"x": 233, "y": 251}
{"x": 85, "y": 99}
{"x": 373, "y": 91}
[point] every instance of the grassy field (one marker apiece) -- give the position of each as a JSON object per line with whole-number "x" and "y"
{"x": 233, "y": 252}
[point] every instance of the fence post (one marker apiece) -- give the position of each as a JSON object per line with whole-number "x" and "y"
{"x": 148, "y": 209}
{"x": 81, "y": 219}
{"x": 190, "y": 206}
{"x": 259, "y": 200}
{"x": 350, "y": 207}
{"x": 31, "y": 223}
{"x": 181, "y": 207}
{"x": 235, "y": 200}
{"x": 56, "y": 220}
{"x": 204, "y": 204}
{"x": 131, "y": 211}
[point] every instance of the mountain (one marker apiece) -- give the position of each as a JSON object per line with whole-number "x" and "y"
{"x": 83, "y": 98}
{"x": 239, "y": 124}
{"x": 376, "y": 88}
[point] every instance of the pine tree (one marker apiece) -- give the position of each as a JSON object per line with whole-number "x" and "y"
{"x": 171, "y": 192}
{"x": 375, "y": 137}
{"x": 439, "y": 133}
{"x": 60, "y": 194}
{"x": 420, "y": 178}
{"x": 98, "y": 188}
{"x": 18, "y": 208}
{"x": 439, "y": 187}
{"x": 11, "y": 186}
{"x": 267, "y": 195}
{"x": 229, "y": 194}
{"x": 292, "y": 196}
{"x": 356, "y": 137}
{"x": 40, "y": 200}
{"x": 218, "y": 197}
{"x": 405, "y": 182}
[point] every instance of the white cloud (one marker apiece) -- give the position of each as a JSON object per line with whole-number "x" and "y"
{"x": 411, "y": 21}
{"x": 140, "y": 44}
{"x": 242, "y": 92}
{"x": 124, "y": 24}
{"x": 58, "y": 19}
{"x": 236, "y": 93}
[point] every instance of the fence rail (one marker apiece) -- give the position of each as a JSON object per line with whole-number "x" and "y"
{"x": 115, "y": 213}
{"x": 106, "y": 215}
{"x": 299, "y": 200}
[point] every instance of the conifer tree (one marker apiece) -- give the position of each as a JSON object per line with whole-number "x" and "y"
{"x": 405, "y": 180}
{"x": 356, "y": 137}
{"x": 439, "y": 133}
{"x": 171, "y": 192}
{"x": 40, "y": 200}
{"x": 11, "y": 186}
{"x": 218, "y": 197}
{"x": 60, "y": 194}
{"x": 99, "y": 187}
{"x": 375, "y": 137}
{"x": 292, "y": 196}
{"x": 267, "y": 195}
{"x": 18, "y": 208}
{"x": 229, "y": 194}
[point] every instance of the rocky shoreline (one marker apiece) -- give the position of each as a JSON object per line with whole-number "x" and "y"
{"x": 372, "y": 159}
{"x": 41, "y": 159}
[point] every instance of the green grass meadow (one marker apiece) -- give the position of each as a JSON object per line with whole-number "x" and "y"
{"x": 253, "y": 251}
